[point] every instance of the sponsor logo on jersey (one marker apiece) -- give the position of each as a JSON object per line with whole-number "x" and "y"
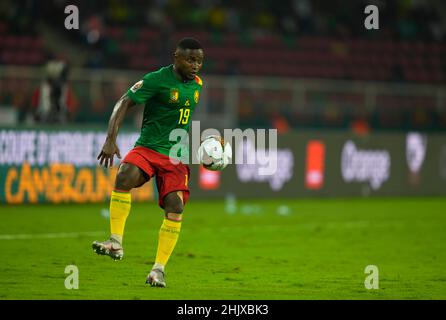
{"x": 136, "y": 86}
{"x": 174, "y": 95}
{"x": 187, "y": 104}
{"x": 196, "y": 96}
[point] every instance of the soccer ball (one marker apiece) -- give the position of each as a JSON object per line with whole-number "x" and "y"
{"x": 213, "y": 155}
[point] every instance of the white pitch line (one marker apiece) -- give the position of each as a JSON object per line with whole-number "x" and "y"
{"x": 49, "y": 235}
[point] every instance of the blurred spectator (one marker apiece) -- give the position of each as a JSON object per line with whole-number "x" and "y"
{"x": 53, "y": 101}
{"x": 280, "y": 123}
{"x": 360, "y": 126}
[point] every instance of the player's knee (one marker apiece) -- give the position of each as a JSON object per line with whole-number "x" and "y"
{"x": 173, "y": 204}
{"x": 174, "y": 216}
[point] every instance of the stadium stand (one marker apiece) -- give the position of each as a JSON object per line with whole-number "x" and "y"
{"x": 279, "y": 42}
{"x": 287, "y": 39}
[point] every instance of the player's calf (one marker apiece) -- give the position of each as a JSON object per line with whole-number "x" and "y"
{"x": 168, "y": 236}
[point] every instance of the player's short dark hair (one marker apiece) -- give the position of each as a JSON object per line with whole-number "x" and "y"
{"x": 189, "y": 43}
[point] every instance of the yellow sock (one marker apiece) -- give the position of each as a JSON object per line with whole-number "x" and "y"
{"x": 168, "y": 237}
{"x": 120, "y": 204}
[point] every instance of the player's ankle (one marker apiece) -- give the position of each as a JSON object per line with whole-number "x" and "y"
{"x": 116, "y": 237}
{"x": 158, "y": 266}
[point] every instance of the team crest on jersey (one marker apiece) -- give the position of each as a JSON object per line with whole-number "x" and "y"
{"x": 136, "y": 86}
{"x": 196, "y": 96}
{"x": 174, "y": 95}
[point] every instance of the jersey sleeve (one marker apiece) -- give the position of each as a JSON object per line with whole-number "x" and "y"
{"x": 144, "y": 89}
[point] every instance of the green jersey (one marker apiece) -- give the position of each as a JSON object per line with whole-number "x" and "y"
{"x": 169, "y": 104}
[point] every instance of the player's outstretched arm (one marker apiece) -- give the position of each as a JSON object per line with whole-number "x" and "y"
{"x": 110, "y": 148}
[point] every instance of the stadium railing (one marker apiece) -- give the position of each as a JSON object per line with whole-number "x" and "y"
{"x": 239, "y": 101}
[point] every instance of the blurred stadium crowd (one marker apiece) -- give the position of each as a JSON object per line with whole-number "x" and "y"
{"x": 290, "y": 38}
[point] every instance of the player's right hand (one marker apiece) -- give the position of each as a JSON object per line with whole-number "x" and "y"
{"x": 107, "y": 153}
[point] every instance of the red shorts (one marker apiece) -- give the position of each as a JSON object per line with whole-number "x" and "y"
{"x": 169, "y": 177}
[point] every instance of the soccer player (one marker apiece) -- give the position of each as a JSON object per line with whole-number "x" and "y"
{"x": 170, "y": 95}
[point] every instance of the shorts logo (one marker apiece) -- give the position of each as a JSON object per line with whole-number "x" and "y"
{"x": 196, "y": 96}
{"x": 174, "y": 95}
{"x": 136, "y": 86}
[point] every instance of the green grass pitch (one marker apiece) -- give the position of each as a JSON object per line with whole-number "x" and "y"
{"x": 315, "y": 249}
